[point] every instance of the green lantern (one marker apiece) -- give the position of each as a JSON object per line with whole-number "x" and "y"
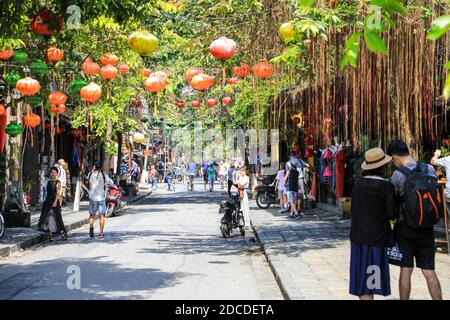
{"x": 13, "y": 129}
{"x": 20, "y": 57}
{"x": 39, "y": 67}
{"x": 144, "y": 119}
{"x": 34, "y": 100}
{"x": 76, "y": 85}
{"x": 12, "y": 78}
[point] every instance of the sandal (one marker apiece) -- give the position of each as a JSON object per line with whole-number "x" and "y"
{"x": 64, "y": 235}
{"x": 51, "y": 238}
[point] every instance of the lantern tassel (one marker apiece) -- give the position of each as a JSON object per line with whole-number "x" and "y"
{"x": 90, "y": 119}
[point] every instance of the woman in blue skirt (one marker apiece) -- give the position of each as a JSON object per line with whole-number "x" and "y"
{"x": 373, "y": 205}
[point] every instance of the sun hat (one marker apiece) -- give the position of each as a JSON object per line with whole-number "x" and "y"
{"x": 375, "y": 158}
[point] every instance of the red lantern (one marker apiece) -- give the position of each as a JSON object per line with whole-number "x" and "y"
{"x": 57, "y": 98}
{"x": 108, "y": 72}
{"x": 89, "y": 67}
{"x": 180, "y": 104}
{"x": 202, "y": 82}
{"x": 2, "y": 110}
{"x": 92, "y": 92}
{"x": 223, "y": 48}
{"x": 54, "y": 54}
{"x": 28, "y": 86}
{"x": 123, "y": 68}
{"x": 41, "y": 21}
{"x": 242, "y": 71}
{"x": 108, "y": 58}
{"x": 61, "y": 109}
{"x": 192, "y": 73}
{"x": 227, "y": 100}
{"x": 154, "y": 84}
{"x": 31, "y": 120}
{"x": 263, "y": 69}
{"x": 233, "y": 80}
{"x": 147, "y": 72}
{"x": 6, "y": 54}
{"x": 212, "y": 102}
{"x": 195, "y": 104}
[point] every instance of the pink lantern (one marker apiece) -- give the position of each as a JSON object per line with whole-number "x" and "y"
{"x": 223, "y": 48}
{"x": 123, "y": 68}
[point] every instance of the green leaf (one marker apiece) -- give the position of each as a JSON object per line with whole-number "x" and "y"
{"x": 438, "y": 27}
{"x": 389, "y": 21}
{"x": 447, "y": 65}
{"x": 447, "y": 88}
{"x": 374, "y": 42}
{"x": 306, "y": 3}
{"x": 391, "y": 6}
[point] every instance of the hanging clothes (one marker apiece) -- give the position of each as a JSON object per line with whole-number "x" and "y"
{"x": 340, "y": 173}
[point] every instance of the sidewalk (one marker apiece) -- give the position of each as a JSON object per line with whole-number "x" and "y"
{"x": 310, "y": 256}
{"x": 16, "y": 239}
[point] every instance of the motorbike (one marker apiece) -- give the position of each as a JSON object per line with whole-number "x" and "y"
{"x": 233, "y": 217}
{"x": 266, "y": 195}
{"x": 114, "y": 200}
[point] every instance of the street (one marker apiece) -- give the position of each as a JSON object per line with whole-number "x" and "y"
{"x": 168, "y": 246}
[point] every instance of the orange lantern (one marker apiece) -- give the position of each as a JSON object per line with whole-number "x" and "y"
{"x": 233, "y": 80}
{"x": 6, "y": 54}
{"x": 57, "y": 98}
{"x": 54, "y": 54}
{"x": 192, "y": 73}
{"x": 28, "y": 86}
{"x": 31, "y": 120}
{"x": 108, "y": 58}
{"x": 2, "y": 109}
{"x": 263, "y": 69}
{"x": 202, "y": 82}
{"x": 154, "y": 84}
{"x": 92, "y": 92}
{"x": 54, "y": 108}
{"x": 123, "y": 68}
{"x": 108, "y": 72}
{"x": 242, "y": 71}
{"x": 147, "y": 72}
{"x": 89, "y": 67}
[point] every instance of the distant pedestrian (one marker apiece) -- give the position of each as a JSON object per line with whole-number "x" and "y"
{"x": 291, "y": 179}
{"x": 279, "y": 185}
{"x": 373, "y": 205}
{"x": 152, "y": 178}
{"x": 243, "y": 183}
{"x": 62, "y": 177}
{"x": 211, "y": 173}
{"x": 169, "y": 177}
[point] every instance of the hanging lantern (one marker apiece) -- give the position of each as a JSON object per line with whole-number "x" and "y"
{"x": 233, "y": 80}
{"x": 287, "y": 30}
{"x": 76, "y": 85}
{"x": 195, "y": 104}
{"x": 34, "y": 100}
{"x": 61, "y": 109}
{"x": 12, "y": 78}
{"x": 31, "y": 120}
{"x": 39, "y": 67}
{"x": 13, "y": 129}
{"x": 144, "y": 119}
{"x": 192, "y": 73}
{"x": 57, "y": 97}
{"x": 28, "y": 86}
{"x": 123, "y": 68}
{"x": 138, "y": 137}
{"x": 143, "y": 42}
{"x": 180, "y": 104}
{"x": 154, "y": 84}
{"x": 108, "y": 58}
{"x": 2, "y": 109}
{"x": 46, "y": 23}
{"x": 263, "y": 69}
{"x": 89, "y": 67}
{"x": 212, "y": 102}
{"x": 227, "y": 100}
{"x": 108, "y": 72}
{"x": 92, "y": 92}
{"x": 54, "y": 109}
{"x": 147, "y": 72}
{"x": 202, "y": 82}
{"x": 20, "y": 57}
{"x": 54, "y": 54}
{"x": 242, "y": 71}
{"x": 223, "y": 48}
{"x": 6, "y": 54}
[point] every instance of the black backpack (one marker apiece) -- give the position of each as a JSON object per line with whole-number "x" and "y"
{"x": 423, "y": 203}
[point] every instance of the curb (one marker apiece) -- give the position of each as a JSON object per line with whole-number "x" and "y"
{"x": 7, "y": 251}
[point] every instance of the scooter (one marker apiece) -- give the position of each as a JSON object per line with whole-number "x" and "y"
{"x": 233, "y": 216}
{"x": 265, "y": 196}
{"x": 114, "y": 200}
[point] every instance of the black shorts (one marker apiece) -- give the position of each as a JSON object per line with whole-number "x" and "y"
{"x": 418, "y": 243}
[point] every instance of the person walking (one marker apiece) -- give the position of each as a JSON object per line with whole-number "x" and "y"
{"x": 134, "y": 171}
{"x": 242, "y": 180}
{"x": 291, "y": 179}
{"x": 205, "y": 167}
{"x": 152, "y": 178}
{"x": 98, "y": 181}
{"x": 413, "y": 243}
{"x": 50, "y": 219}
{"x": 231, "y": 178}
{"x": 211, "y": 173}
{"x": 279, "y": 185}
{"x": 62, "y": 178}
{"x": 373, "y": 205}
{"x": 169, "y": 178}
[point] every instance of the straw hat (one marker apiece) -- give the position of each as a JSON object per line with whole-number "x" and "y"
{"x": 375, "y": 158}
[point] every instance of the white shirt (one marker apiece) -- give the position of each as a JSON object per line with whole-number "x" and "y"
{"x": 62, "y": 177}
{"x": 97, "y": 186}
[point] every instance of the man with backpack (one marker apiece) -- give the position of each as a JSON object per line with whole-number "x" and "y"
{"x": 420, "y": 205}
{"x": 97, "y": 197}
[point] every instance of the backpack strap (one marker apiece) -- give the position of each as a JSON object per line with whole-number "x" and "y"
{"x": 407, "y": 172}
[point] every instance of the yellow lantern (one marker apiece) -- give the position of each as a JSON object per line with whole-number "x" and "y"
{"x": 143, "y": 42}
{"x": 138, "y": 137}
{"x": 287, "y": 30}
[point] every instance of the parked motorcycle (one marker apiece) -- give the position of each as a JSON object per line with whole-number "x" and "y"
{"x": 114, "y": 198}
{"x": 266, "y": 195}
{"x": 233, "y": 216}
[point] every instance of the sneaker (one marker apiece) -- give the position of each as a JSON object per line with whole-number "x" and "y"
{"x": 91, "y": 232}
{"x": 101, "y": 235}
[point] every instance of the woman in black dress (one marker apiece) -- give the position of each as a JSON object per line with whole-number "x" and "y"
{"x": 51, "y": 220}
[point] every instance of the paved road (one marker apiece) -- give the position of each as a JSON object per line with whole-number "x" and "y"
{"x": 167, "y": 247}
